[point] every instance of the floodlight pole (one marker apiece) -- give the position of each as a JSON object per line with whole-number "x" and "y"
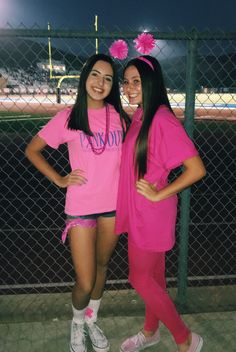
{"x": 96, "y": 29}
{"x": 49, "y": 52}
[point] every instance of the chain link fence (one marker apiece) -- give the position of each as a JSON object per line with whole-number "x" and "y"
{"x": 39, "y": 74}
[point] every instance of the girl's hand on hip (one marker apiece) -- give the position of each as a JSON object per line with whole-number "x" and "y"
{"x": 148, "y": 190}
{"x": 75, "y": 177}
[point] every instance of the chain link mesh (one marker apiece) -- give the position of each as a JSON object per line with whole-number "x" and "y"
{"x": 33, "y": 260}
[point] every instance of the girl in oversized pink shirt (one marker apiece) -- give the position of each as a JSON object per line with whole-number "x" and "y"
{"x": 93, "y": 130}
{"x": 155, "y": 144}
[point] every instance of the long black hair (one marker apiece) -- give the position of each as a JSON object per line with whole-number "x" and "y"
{"x": 154, "y": 95}
{"x": 78, "y": 118}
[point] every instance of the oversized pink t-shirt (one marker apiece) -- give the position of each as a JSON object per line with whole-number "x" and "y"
{"x": 151, "y": 225}
{"x": 99, "y": 194}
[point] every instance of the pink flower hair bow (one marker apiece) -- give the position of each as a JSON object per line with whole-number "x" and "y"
{"x": 144, "y": 43}
{"x": 119, "y": 49}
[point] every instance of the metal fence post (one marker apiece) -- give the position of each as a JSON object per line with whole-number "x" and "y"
{"x": 58, "y": 95}
{"x": 186, "y": 194}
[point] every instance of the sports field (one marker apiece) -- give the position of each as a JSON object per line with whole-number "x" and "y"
{"x": 208, "y": 106}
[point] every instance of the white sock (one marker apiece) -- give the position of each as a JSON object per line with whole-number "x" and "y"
{"x": 78, "y": 315}
{"x": 92, "y": 310}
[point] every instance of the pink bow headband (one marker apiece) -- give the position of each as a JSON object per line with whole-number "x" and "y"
{"x": 144, "y": 44}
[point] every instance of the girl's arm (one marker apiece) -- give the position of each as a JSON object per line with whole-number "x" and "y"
{"x": 33, "y": 153}
{"x": 194, "y": 170}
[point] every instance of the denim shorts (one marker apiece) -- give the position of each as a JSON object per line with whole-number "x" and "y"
{"x": 108, "y": 214}
{"x": 87, "y": 221}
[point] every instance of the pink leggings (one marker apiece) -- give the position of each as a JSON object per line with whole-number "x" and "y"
{"x": 147, "y": 276}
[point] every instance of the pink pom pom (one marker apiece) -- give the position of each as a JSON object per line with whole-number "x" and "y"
{"x": 119, "y": 49}
{"x": 144, "y": 43}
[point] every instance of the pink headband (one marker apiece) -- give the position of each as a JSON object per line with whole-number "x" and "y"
{"x": 146, "y": 60}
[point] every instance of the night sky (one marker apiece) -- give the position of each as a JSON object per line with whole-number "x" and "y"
{"x": 123, "y": 15}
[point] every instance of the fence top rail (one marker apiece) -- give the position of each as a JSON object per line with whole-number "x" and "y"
{"x": 69, "y": 33}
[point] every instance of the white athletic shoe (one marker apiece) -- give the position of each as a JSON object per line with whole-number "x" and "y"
{"x": 77, "y": 338}
{"x": 97, "y": 337}
{"x": 139, "y": 342}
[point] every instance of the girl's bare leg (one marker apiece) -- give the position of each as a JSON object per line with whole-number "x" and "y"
{"x": 105, "y": 245}
{"x": 83, "y": 251}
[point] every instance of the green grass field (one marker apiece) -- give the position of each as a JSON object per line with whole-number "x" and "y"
{"x": 20, "y": 123}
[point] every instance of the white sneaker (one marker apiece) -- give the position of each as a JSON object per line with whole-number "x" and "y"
{"x": 98, "y": 339}
{"x": 77, "y": 338}
{"x": 139, "y": 342}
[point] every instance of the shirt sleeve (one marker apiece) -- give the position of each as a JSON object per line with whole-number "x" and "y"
{"x": 176, "y": 146}
{"x": 54, "y": 132}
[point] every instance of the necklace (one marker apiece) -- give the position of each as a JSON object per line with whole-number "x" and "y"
{"x": 100, "y": 150}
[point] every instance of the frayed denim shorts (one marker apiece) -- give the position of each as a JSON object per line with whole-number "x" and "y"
{"x": 87, "y": 221}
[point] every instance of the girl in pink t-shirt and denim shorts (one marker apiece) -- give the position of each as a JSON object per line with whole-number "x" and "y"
{"x": 93, "y": 130}
{"x": 155, "y": 144}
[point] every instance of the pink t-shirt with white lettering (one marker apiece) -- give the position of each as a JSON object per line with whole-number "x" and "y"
{"x": 99, "y": 194}
{"x": 151, "y": 225}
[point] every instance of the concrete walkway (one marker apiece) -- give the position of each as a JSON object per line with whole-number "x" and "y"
{"x": 41, "y": 323}
{"x": 217, "y": 329}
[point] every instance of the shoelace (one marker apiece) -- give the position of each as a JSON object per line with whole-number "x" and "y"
{"x": 78, "y": 332}
{"x": 95, "y": 331}
{"x": 139, "y": 339}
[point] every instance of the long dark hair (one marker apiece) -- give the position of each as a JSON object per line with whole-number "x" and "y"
{"x": 154, "y": 95}
{"x": 78, "y": 118}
